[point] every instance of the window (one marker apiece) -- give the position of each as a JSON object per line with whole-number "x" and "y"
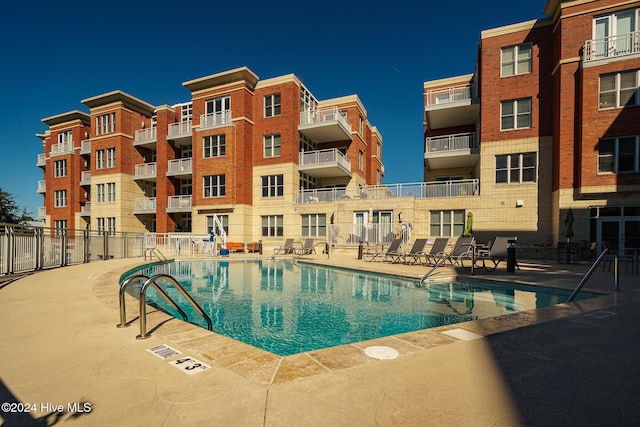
{"x": 111, "y": 157}
{"x": 224, "y": 221}
{"x": 99, "y": 193}
{"x": 314, "y": 225}
{"x": 613, "y": 34}
{"x": 65, "y": 137}
{"x": 60, "y": 198}
{"x": 99, "y": 159}
{"x": 619, "y": 155}
{"x": 619, "y": 90}
{"x": 60, "y": 168}
{"x": 213, "y": 186}
{"x": 217, "y": 111}
{"x": 186, "y": 112}
{"x": 107, "y": 225}
{"x": 111, "y": 225}
{"x": 272, "y": 146}
{"x": 516, "y": 168}
{"x": 516, "y": 60}
{"x": 213, "y": 146}
{"x": 101, "y": 223}
{"x": 272, "y": 225}
{"x": 361, "y": 125}
{"x": 106, "y": 123}
{"x": 272, "y": 186}
{"x": 515, "y": 114}
{"x": 446, "y": 223}
{"x": 360, "y": 160}
{"x": 111, "y": 192}
{"x": 186, "y": 187}
{"x": 272, "y": 105}
{"x": 60, "y": 226}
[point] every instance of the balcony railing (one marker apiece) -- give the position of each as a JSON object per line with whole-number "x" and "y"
{"x": 448, "y": 95}
{"x": 179, "y": 204}
{"x": 42, "y": 186}
{"x": 42, "y": 212}
{"x": 324, "y": 115}
{"x": 420, "y": 190}
{"x": 42, "y": 160}
{"x": 460, "y": 141}
{"x": 611, "y": 47}
{"x": 85, "y": 210}
{"x": 145, "y": 136}
{"x": 145, "y": 171}
{"x": 145, "y": 205}
{"x": 85, "y": 146}
{"x": 180, "y": 167}
{"x": 85, "y": 178}
{"x": 322, "y": 157}
{"x": 211, "y": 120}
{"x": 62, "y": 148}
{"x": 178, "y": 130}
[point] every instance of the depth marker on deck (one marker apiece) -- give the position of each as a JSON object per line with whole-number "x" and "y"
{"x": 163, "y": 351}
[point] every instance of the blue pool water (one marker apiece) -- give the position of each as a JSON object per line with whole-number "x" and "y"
{"x": 287, "y": 307}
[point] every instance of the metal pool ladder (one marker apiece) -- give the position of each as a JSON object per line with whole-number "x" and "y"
{"x": 151, "y": 281}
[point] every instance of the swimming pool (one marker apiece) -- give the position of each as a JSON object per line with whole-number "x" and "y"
{"x": 288, "y": 307}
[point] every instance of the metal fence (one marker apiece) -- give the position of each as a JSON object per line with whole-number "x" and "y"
{"x": 25, "y": 248}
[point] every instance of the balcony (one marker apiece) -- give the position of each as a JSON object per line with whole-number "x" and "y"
{"x": 42, "y": 160}
{"x": 145, "y": 171}
{"x": 179, "y": 204}
{"x": 180, "y": 167}
{"x": 85, "y": 209}
{"x": 145, "y": 205}
{"x": 451, "y": 106}
{"x": 42, "y": 212}
{"x": 145, "y": 138}
{"x": 61, "y": 148}
{"x": 325, "y": 125}
{"x": 85, "y": 147}
{"x": 420, "y": 190}
{"x": 451, "y": 151}
{"x": 85, "y": 178}
{"x": 180, "y": 133}
{"x": 42, "y": 186}
{"x": 212, "y": 120}
{"x": 324, "y": 163}
{"x": 611, "y": 47}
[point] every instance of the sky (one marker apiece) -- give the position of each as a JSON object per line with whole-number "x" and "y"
{"x": 54, "y": 54}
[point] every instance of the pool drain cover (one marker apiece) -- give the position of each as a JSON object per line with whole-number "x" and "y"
{"x": 381, "y": 352}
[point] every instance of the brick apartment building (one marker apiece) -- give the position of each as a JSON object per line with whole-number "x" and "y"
{"x": 241, "y": 150}
{"x": 548, "y": 120}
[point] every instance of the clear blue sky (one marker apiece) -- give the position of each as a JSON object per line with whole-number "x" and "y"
{"x": 55, "y": 54}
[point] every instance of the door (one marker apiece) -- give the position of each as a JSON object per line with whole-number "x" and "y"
{"x": 601, "y": 34}
{"x": 619, "y": 233}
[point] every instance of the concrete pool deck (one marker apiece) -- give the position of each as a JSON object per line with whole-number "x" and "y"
{"x": 572, "y": 364}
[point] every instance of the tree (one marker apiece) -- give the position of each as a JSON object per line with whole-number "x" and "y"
{"x": 9, "y": 210}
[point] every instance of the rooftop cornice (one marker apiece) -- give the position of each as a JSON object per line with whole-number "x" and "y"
{"x": 67, "y": 118}
{"x": 214, "y": 80}
{"x": 120, "y": 96}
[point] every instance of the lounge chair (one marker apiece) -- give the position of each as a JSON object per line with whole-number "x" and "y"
{"x": 307, "y": 248}
{"x": 415, "y": 253}
{"x": 393, "y": 251}
{"x": 286, "y": 248}
{"x": 496, "y": 254}
{"x": 437, "y": 251}
{"x": 462, "y": 250}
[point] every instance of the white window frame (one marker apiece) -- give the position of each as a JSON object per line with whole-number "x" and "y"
{"x": 272, "y": 105}
{"x": 515, "y": 166}
{"x": 213, "y": 186}
{"x": 516, "y": 62}
{"x": 606, "y": 95}
{"x": 60, "y": 198}
{"x": 273, "y": 186}
{"x": 272, "y": 226}
{"x": 439, "y": 228}
{"x": 214, "y": 146}
{"x": 224, "y": 220}
{"x": 106, "y": 123}
{"x": 60, "y": 168}
{"x": 313, "y": 225}
{"x": 518, "y": 112}
{"x": 100, "y": 193}
{"x": 99, "y": 159}
{"x": 272, "y": 145}
{"x": 111, "y": 192}
{"x": 60, "y": 226}
{"x": 615, "y": 156}
{"x": 65, "y": 137}
{"x": 111, "y": 157}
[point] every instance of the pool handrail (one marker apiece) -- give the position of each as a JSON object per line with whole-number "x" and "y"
{"x": 593, "y": 267}
{"x": 123, "y": 308}
{"x": 151, "y": 281}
